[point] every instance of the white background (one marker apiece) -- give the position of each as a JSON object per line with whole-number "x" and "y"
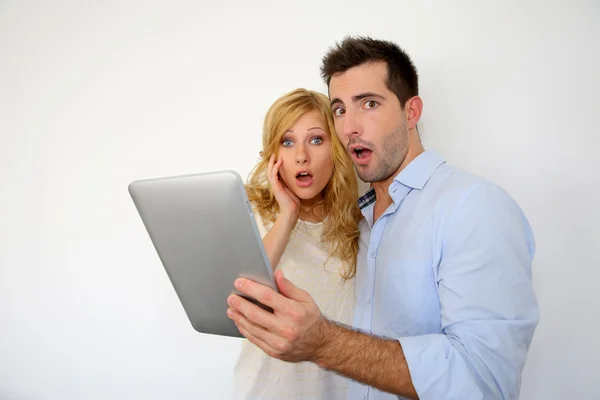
{"x": 94, "y": 95}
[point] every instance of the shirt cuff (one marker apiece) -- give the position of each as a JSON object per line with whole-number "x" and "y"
{"x": 437, "y": 369}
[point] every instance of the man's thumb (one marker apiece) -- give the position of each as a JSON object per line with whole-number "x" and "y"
{"x": 288, "y": 289}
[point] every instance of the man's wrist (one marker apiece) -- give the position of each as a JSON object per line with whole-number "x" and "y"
{"x": 325, "y": 338}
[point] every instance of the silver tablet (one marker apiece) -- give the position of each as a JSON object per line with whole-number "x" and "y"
{"x": 205, "y": 234}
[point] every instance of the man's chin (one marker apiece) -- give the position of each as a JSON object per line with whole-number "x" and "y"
{"x": 364, "y": 174}
{"x": 371, "y": 176}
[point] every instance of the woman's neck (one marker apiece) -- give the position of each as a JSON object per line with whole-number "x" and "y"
{"x": 312, "y": 211}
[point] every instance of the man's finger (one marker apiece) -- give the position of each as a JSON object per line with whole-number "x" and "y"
{"x": 265, "y": 340}
{"x": 253, "y": 313}
{"x": 261, "y": 293}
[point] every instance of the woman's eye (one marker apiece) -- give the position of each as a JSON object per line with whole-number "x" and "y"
{"x": 338, "y": 112}
{"x": 316, "y": 140}
{"x": 371, "y": 104}
{"x": 287, "y": 143}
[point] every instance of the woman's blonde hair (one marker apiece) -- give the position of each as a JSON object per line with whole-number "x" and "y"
{"x": 340, "y": 194}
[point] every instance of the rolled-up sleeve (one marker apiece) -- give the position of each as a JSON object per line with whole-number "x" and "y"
{"x": 488, "y": 306}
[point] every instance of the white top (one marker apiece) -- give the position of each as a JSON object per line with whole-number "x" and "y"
{"x": 259, "y": 376}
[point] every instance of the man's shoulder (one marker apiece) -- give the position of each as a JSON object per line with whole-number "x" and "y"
{"x": 450, "y": 182}
{"x": 451, "y": 187}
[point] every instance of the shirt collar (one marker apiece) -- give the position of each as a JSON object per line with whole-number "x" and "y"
{"x": 415, "y": 175}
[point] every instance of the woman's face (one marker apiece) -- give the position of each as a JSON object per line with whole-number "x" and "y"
{"x": 307, "y": 164}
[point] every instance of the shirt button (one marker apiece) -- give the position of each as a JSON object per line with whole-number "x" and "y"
{"x": 365, "y": 397}
{"x": 368, "y": 301}
{"x": 373, "y": 254}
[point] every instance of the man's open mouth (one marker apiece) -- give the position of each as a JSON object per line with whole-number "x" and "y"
{"x": 362, "y": 152}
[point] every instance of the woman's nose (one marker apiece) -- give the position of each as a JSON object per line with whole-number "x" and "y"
{"x": 301, "y": 156}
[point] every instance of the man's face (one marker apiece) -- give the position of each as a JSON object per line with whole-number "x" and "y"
{"x": 369, "y": 121}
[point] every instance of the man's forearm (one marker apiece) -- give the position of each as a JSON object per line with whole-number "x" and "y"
{"x": 374, "y": 361}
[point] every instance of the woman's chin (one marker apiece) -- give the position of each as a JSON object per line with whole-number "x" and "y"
{"x": 308, "y": 196}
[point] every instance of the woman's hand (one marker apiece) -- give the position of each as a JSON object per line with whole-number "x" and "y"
{"x": 289, "y": 203}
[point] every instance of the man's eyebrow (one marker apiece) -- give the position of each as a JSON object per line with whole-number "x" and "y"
{"x": 358, "y": 97}
{"x": 361, "y": 96}
{"x": 336, "y": 101}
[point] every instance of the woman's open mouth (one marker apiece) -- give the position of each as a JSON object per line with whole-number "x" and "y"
{"x": 304, "y": 179}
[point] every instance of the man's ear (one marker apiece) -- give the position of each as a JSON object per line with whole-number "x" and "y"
{"x": 414, "y": 109}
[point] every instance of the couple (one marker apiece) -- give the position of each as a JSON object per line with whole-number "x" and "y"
{"x": 421, "y": 289}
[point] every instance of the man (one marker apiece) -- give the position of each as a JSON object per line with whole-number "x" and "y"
{"x": 445, "y": 308}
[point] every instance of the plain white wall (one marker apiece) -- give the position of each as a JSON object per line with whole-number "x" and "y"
{"x": 96, "y": 94}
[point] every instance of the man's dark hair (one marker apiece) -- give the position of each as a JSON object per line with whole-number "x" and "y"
{"x": 402, "y": 77}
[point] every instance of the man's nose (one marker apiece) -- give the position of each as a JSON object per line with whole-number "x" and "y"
{"x": 350, "y": 127}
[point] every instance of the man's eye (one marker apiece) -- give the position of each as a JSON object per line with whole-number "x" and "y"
{"x": 316, "y": 140}
{"x": 287, "y": 143}
{"x": 338, "y": 111}
{"x": 371, "y": 104}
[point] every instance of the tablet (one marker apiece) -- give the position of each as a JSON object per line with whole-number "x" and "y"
{"x": 205, "y": 234}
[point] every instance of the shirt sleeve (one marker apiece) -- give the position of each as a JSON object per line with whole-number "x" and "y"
{"x": 488, "y": 306}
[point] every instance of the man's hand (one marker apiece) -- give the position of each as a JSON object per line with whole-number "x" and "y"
{"x": 293, "y": 332}
{"x": 297, "y": 331}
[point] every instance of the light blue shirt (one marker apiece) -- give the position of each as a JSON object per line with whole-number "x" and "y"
{"x": 448, "y": 275}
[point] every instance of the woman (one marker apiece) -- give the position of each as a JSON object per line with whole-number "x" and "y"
{"x": 304, "y": 195}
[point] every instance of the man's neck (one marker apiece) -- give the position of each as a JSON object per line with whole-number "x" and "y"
{"x": 383, "y": 198}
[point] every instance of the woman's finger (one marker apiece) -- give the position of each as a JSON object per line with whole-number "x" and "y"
{"x": 274, "y": 176}
{"x": 270, "y": 166}
{"x": 270, "y": 175}
{"x": 275, "y": 169}
{"x": 291, "y": 194}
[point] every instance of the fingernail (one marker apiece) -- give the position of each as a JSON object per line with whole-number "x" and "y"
{"x": 229, "y": 313}
{"x": 230, "y": 300}
{"x": 238, "y": 283}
